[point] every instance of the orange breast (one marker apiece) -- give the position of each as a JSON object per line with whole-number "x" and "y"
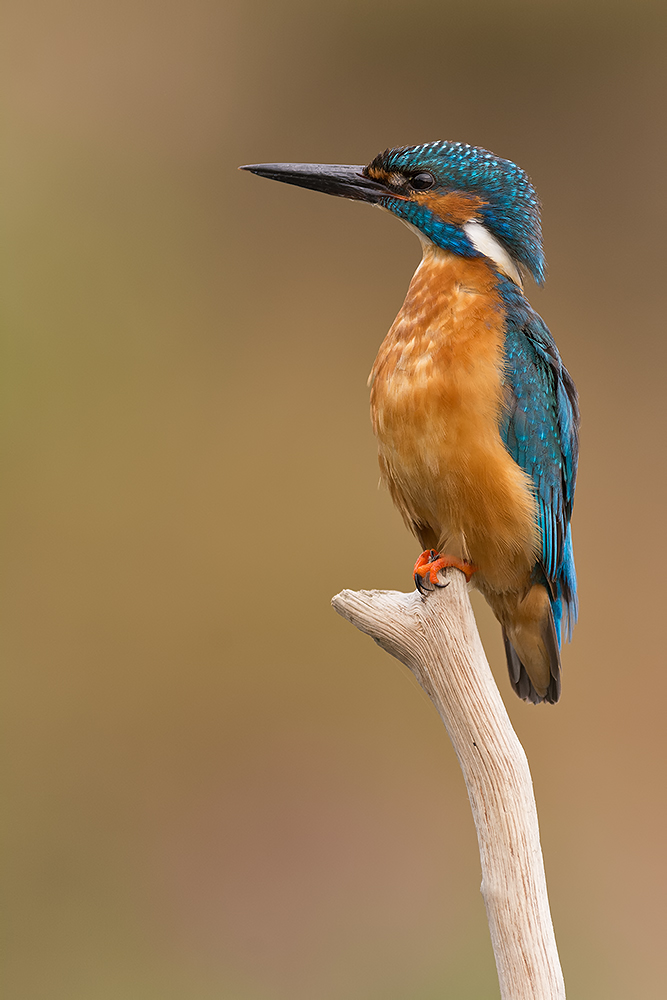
{"x": 436, "y": 400}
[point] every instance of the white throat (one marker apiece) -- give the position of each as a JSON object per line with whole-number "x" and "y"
{"x": 487, "y": 244}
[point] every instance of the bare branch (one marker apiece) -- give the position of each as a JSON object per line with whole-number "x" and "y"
{"x": 436, "y": 637}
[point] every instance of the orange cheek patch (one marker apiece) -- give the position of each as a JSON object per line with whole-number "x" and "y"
{"x": 454, "y": 207}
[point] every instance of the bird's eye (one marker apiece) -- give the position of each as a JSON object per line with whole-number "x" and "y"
{"x": 422, "y": 181}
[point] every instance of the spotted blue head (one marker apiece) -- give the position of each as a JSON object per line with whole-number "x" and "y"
{"x": 460, "y": 198}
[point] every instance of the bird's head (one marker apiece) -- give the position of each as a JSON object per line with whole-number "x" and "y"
{"x": 461, "y": 198}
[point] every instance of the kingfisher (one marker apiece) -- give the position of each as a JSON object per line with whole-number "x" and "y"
{"x": 476, "y": 417}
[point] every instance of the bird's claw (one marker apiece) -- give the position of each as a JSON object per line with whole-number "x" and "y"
{"x": 428, "y": 566}
{"x": 426, "y": 571}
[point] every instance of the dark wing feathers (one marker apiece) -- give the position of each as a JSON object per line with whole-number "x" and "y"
{"x": 540, "y": 430}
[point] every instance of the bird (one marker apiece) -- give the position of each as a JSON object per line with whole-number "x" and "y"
{"x": 475, "y": 414}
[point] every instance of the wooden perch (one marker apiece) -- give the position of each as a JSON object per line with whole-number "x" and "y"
{"x": 436, "y": 637}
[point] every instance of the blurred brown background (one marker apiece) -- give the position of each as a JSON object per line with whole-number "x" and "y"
{"x": 219, "y": 789}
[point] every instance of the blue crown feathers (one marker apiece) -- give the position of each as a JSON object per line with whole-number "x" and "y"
{"x": 511, "y": 210}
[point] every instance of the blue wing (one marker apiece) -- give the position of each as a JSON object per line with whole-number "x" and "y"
{"x": 540, "y": 429}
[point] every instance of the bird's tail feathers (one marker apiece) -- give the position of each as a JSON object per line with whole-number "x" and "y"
{"x": 532, "y": 649}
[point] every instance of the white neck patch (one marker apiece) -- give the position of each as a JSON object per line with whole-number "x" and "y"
{"x": 483, "y": 241}
{"x": 487, "y": 244}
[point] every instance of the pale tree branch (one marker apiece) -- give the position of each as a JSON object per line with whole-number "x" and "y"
{"x": 436, "y": 637}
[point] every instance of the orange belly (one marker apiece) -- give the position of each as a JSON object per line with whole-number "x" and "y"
{"x": 436, "y": 402}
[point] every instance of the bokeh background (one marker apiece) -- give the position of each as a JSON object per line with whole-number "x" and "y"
{"x": 218, "y": 788}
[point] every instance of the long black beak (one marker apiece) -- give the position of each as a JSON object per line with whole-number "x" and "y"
{"x": 346, "y": 182}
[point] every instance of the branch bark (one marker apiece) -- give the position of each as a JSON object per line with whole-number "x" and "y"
{"x": 436, "y": 637}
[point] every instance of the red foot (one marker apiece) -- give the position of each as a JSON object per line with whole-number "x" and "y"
{"x": 431, "y": 562}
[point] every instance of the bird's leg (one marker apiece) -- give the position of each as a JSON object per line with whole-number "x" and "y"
{"x": 429, "y": 565}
